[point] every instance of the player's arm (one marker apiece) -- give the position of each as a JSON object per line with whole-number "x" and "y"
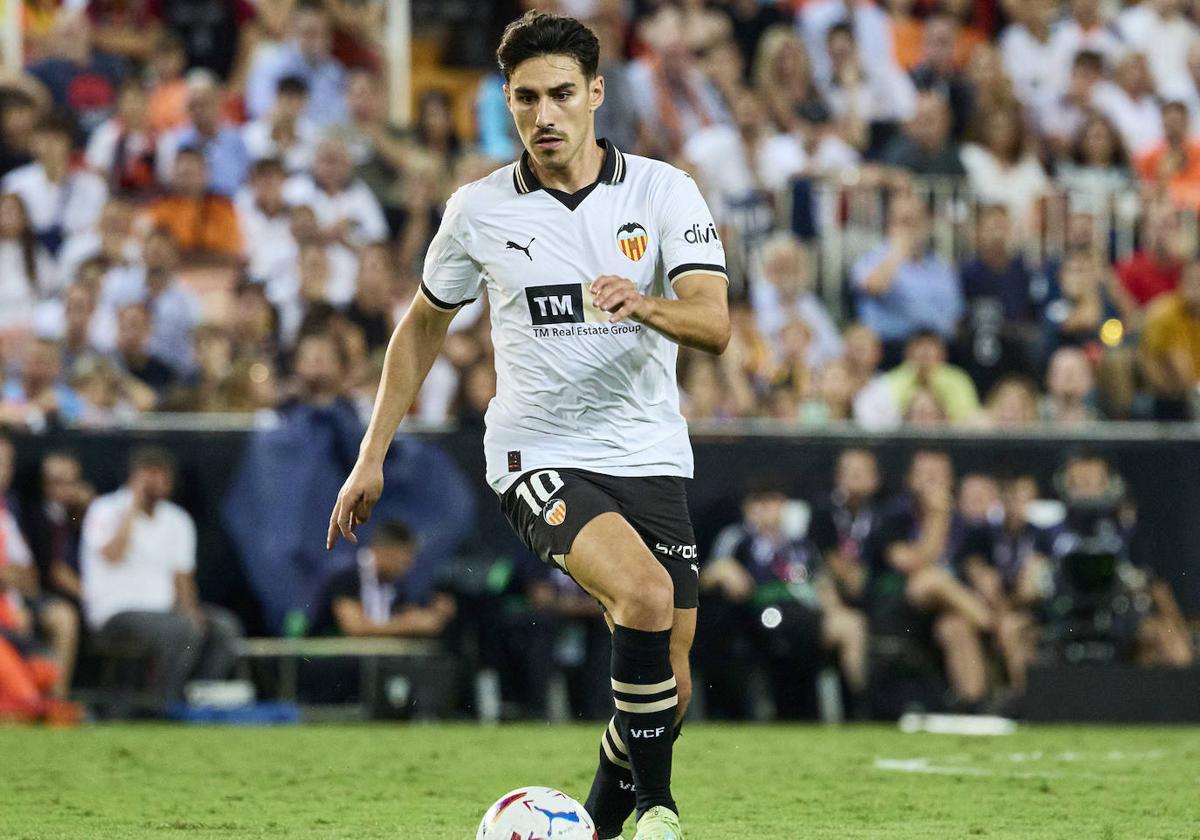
{"x": 699, "y": 318}
{"x": 411, "y": 352}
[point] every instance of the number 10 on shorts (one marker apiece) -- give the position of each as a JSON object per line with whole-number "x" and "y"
{"x": 543, "y": 484}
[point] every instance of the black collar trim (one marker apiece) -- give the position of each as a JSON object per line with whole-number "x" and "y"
{"x": 612, "y": 171}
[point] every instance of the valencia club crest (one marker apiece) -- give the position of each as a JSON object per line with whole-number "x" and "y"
{"x": 632, "y": 240}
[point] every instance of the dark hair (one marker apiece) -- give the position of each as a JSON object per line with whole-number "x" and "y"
{"x": 541, "y": 33}
{"x": 56, "y": 122}
{"x": 392, "y": 532}
{"x": 193, "y": 151}
{"x": 294, "y": 85}
{"x": 267, "y": 166}
{"x": 153, "y": 457}
{"x": 1174, "y": 105}
{"x": 924, "y": 334}
{"x": 169, "y": 41}
{"x": 842, "y": 27}
{"x": 1119, "y": 156}
{"x": 1089, "y": 58}
{"x": 28, "y": 241}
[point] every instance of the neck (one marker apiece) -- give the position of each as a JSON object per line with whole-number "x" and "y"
{"x": 55, "y": 169}
{"x": 577, "y": 173}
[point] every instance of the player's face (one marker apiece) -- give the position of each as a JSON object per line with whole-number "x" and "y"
{"x": 553, "y": 103}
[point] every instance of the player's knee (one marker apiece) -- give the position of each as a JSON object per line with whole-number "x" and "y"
{"x": 647, "y": 599}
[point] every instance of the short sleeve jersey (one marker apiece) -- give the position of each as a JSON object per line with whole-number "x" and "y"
{"x": 573, "y": 390}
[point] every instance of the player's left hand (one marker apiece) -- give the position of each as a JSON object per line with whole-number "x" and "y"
{"x": 618, "y": 296}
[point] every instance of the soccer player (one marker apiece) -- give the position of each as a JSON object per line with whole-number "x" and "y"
{"x": 596, "y": 265}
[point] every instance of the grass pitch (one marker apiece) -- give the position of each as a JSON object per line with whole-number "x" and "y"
{"x": 732, "y": 782}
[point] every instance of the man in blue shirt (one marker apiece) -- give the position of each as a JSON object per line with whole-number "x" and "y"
{"x": 307, "y": 55}
{"x": 221, "y": 144}
{"x": 902, "y": 285}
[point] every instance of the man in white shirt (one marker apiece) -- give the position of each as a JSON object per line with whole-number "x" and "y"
{"x": 782, "y": 291}
{"x": 1159, "y": 29}
{"x": 1028, "y": 52}
{"x": 1085, "y": 30}
{"x": 1130, "y": 104}
{"x": 265, "y": 221}
{"x": 137, "y": 559}
{"x": 346, "y": 208}
{"x": 60, "y": 200}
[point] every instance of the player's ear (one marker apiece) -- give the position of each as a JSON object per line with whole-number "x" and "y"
{"x": 596, "y": 93}
{"x": 508, "y": 96}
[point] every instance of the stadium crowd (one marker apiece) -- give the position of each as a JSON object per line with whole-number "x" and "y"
{"x": 183, "y": 196}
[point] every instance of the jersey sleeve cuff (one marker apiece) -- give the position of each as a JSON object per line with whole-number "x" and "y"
{"x": 438, "y": 303}
{"x": 696, "y": 268}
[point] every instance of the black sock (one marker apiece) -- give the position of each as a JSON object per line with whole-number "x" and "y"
{"x": 611, "y": 799}
{"x": 645, "y": 696}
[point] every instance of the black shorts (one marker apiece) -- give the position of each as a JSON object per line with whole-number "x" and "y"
{"x": 549, "y": 507}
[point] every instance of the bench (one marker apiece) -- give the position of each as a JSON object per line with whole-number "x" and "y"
{"x": 430, "y": 666}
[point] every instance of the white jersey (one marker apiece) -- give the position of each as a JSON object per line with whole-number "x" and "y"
{"x": 573, "y": 390}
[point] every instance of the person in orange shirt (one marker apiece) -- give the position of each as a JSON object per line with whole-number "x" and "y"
{"x": 1170, "y": 350}
{"x": 202, "y": 222}
{"x": 167, "y": 108}
{"x": 1174, "y": 163}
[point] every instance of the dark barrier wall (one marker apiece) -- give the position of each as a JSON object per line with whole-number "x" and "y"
{"x": 1162, "y": 472}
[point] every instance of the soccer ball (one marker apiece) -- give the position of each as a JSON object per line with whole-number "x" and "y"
{"x": 536, "y": 813}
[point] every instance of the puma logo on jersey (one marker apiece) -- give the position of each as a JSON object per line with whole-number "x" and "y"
{"x": 513, "y": 246}
{"x": 647, "y": 733}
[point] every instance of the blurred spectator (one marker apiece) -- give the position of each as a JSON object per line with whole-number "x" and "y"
{"x": 167, "y": 106}
{"x": 1096, "y": 169}
{"x": 1008, "y": 567}
{"x": 317, "y": 373}
{"x": 214, "y": 32}
{"x": 1003, "y": 301}
{"x": 1070, "y": 389}
{"x": 783, "y": 292}
{"x": 902, "y": 285}
{"x": 673, "y": 97}
{"x": 371, "y": 308}
{"x": 868, "y": 98}
{"x": 54, "y": 524}
{"x": 1075, "y": 317}
{"x": 125, "y": 28}
{"x": 26, "y": 270}
{"x": 864, "y": 352}
{"x": 476, "y": 389}
{"x": 347, "y": 212}
{"x": 926, "y": 409}
{"x": 284, "y": 133}
{"x": 758, "y": 564}
{"x": 110, "y": 240}
{"x": 617, "y": 119}
{"x": 80, "y": 79}
{"x": 201, "y": 222}
{"x": 254, "y": 324}
{"x": 370, "y": 598}
{"x": 220, "y": 143}
{"x": 1029, "y": 52}
{"x": 1187, "y": 89}
{"x": 1129, "y": 102}
{"x": 122, "y": 147}
{"x": 914, "y": 562}
{"x": 265, "y": 221}
{"x": 1001, "y": 167}
{"x": 138, "y": 556}
{"x": 712, "y": 391}
{"x": 783, "y": 76}
{"x": 830, "y": 398}
{"x": 1062, "y": 112}
{"x": 1012, "y": 403}
{"x": 991, "y": 89}
{"x": 307, "y": 54}
{"x": 1155, "y": 267}
{"x": 844, "y": 522}
{"x": 38, "y": 398}
{"x": 1159, "y": 30}
{"x": 1086, "y": 29}
{"x": 907, "y": 31}
{"x": 925, "y": 147}
{"x": 925, "y": 368}
{"x": 61, "y": 200}
{"x": 1170, "y": 349}
{"x": 18, "y": 116}
{"x": 174, "y": 309}
{"x": 133, "y": 354}
{"x": 1175, "y": 163}
{"x": 940, "y": 71}
{"x": 377, "y": 147}
{"x": 865, "y": 19}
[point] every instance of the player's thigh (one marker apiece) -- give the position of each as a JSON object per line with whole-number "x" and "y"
{"x": 611, "y": 562}
{"x": 657, "y": 508}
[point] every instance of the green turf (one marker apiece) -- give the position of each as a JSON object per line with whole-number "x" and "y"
{"x": 732, "y": 782}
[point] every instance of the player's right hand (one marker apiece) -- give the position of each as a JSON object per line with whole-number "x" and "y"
{"x": 354, "y": 502}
